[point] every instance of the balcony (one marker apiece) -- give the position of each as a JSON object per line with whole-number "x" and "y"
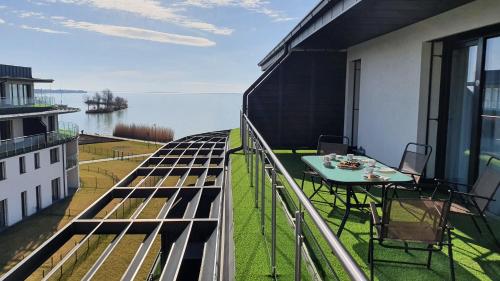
{"x": 11, "y": 147}
{"x": 30, "y": 105}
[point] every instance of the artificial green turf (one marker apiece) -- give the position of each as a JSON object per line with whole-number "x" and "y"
{"x": 252, "y": 248}
{"x": 476, "y": 257}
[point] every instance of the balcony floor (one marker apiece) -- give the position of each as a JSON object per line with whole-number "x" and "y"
{"x": 473, "y": 254}
{"x": 476, "y": 257}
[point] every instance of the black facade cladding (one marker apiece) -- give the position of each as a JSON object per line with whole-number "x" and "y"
{"x": 15, "y": 71}
{"x": 301, "y": 100}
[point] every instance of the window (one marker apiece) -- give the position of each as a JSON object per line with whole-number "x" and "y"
{"x": 3, "y": 175}
{"x": 5, "y": 130}
{"x": 3, "y": 213}
{"x": 52, "y": 123}
{"x": 55, "y": 189}
{"x": 38, "y": 191}
{"x": 54, "y": 155}
{"x": 24, "y": 204}
{"x": 355, "y": 102}
{"x": 37, "y": 160}
{"x": 22, "y": 165}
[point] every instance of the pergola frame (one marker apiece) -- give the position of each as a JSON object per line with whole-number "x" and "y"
{"x": 189, "y": 223}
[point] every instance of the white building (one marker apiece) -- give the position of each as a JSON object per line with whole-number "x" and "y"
{"x": 38, "y": 154}
{"x": 386, "y": 73}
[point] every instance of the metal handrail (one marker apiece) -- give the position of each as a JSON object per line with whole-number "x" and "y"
{"x": 14, "y": 146}
{"x": 346, "y": 260}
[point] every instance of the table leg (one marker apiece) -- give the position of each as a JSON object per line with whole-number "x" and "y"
{"x": 347, "y": 210}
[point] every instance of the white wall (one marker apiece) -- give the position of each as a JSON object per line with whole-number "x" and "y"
{"x": 391, "y": 84}
{"x": 15, "y": 183}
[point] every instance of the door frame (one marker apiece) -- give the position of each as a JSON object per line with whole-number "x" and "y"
{"x": 479, "y": 38}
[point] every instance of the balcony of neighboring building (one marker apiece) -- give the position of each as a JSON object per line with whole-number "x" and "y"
{"x": 35, "y": 137}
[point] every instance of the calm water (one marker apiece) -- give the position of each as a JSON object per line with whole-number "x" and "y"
{"x": 186, "y": 114}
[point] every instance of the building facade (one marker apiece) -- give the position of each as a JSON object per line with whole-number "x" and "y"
{"x": 38, "y": 154}
{"x": 404, "y": 71}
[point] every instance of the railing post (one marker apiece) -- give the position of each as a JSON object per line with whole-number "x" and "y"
{"x": 273, "y": 222}
{"x": 298, "y": 244}
{"x": 263, "y": 192}
{"x": 251, "y": 160}
{"x": 256, "y": 175}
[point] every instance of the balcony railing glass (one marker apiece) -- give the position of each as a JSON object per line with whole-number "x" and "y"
{"x": 37, "y": 101}
{"x": 65, "y": 132}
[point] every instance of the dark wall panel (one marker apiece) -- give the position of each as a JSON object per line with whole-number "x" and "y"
{"x": 301, "y": 100}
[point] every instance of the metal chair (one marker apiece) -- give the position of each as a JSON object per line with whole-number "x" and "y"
{"x": 476, "y": 200}
{"x": 327, "y": 144}
{"x": 413, "y": 163}
{"x": 414, "y": 160}
{"x": 419, "y": 222}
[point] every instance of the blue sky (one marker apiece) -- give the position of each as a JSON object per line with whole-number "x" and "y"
{"x": 145, "y": 45}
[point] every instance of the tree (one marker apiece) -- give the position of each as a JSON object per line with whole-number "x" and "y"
{"x": 107, "y": 96}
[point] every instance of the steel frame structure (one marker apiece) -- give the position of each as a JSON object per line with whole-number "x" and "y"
{"x": 188, "y": 175}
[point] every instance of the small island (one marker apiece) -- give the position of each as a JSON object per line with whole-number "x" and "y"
{"x": 105, "y": 102}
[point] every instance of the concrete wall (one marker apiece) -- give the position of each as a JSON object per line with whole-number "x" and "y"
{"x": 392, "y": 86}
{"x": 15, "y": 183}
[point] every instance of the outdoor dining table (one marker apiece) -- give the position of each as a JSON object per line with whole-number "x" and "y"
{"x": 335, "y": 176}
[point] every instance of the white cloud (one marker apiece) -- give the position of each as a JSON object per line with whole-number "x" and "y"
{"x": 139, "y": 33}
{"x": 152, "y": 9}
{"x": 258, "y": 6}
{"x": 24, "y": 14}
{"x": 40, "y": 29}
{"x": 2, "y": 21}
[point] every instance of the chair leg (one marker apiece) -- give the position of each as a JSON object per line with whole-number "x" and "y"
{"x": 450, "y": 255}
{"x": 372, "y": 262}
{"x": 335, "y": 197}
{"x": 476, "y": 224}
{"x": 490, "y": 230}
{"x": 429, "y": 257}
{"x": 303, "y": 179}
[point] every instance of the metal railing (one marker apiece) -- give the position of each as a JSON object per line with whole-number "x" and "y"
{"x": 261, "y": 160}
{"x": 65, "y": 132}
{"x": 36, "y": 101}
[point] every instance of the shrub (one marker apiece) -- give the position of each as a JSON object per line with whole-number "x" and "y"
{"x": 144, "y": 132}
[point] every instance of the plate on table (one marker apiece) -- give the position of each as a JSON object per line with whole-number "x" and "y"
{"x": 375, "y": 177}
{"x": 386, "y": 170}
{"x": 349, "y": 165}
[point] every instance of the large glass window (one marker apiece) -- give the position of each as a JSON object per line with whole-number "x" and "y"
{"x": 460, "y": 112}
{"x": 490, "y": 118}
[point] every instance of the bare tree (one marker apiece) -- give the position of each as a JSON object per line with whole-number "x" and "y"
{"x": 107, "y": 96}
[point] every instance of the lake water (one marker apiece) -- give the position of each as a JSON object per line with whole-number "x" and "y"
{"x": 186, "y": 114}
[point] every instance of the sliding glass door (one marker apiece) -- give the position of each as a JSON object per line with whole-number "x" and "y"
{"x": 460, "y": 112}
{"x": 490, "y": 117}
{"x": 472, "y": 111}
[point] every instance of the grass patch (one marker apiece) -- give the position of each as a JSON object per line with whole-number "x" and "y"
{"x": 251, "y": 246}
{"x": 475, "y": 255}
{"x": 105, "y": 149}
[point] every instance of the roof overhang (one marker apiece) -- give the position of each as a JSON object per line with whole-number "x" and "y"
{"x": 339, "y": 24}
{"x": 25, "y": 80}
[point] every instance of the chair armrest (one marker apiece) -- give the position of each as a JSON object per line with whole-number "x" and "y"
{"x": 450, "y": 183}
{"x": 473, "y": 195}
{"x": 375, "y": 217}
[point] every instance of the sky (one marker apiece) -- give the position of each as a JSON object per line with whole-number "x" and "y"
{"x": 188, "y": 46}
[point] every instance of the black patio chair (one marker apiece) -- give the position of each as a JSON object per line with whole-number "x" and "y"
{"x": 327, "y": 144}
{"x": 414, "y": 160}
{"x": 411, "y": 224}
{"x": 475, "y": 201}
{"x": 413, "y": 163}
